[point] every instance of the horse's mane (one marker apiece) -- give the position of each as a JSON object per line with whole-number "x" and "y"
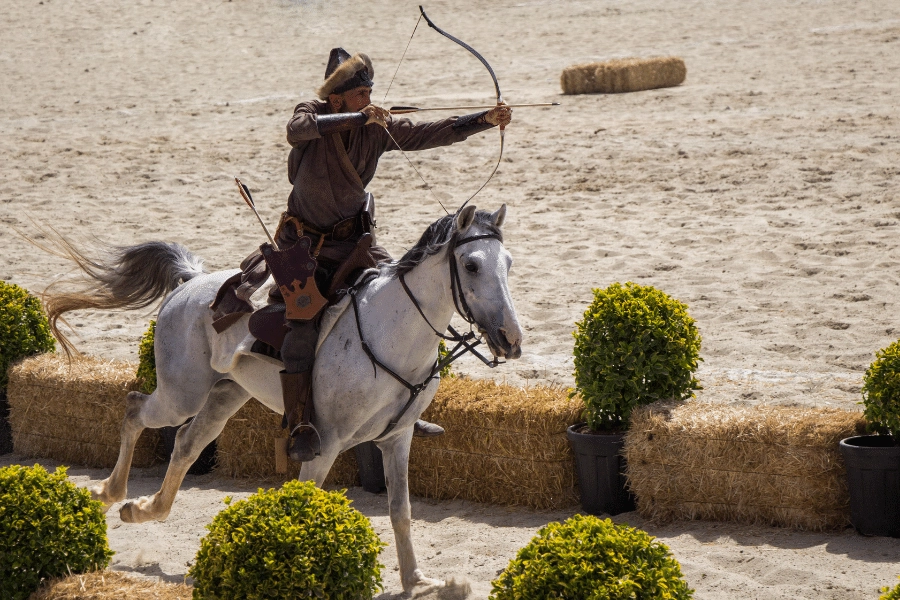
{"x": 438, "y": 235}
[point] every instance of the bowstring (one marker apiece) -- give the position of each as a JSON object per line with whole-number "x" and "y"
{"x": 497, "y": 166}
{"x": 391, "y": 83}
{"x": 431, "y": 191}
{"x": 401, "y": 60}
{"x": 499, "y": 100}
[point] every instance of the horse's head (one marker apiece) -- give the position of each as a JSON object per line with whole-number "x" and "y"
{"x": 479, "y": 268}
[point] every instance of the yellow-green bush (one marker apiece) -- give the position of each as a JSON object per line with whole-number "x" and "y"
{"x": 588, "y": 558}
{"x": 634, "y": 345}
{"x": 48, "y": 528}
{"x": 890, "y": 593}
{"x": 294, "y": 542}
{"x": 146, "y": 372}
{"x": 881, "y": 391}
{"x": 24, "y": 329}
{"x": 444, "y": 352}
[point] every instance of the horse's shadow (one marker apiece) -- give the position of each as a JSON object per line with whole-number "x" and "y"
{"x": 434, "y": 511}
{"x": 151, "y": 571}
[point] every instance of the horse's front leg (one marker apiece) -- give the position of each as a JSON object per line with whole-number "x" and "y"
{"x": 396, "y": 462}
{"x": 223, "y": 401}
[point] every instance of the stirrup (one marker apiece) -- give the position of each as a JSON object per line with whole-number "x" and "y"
{"x": 304, "y": 443}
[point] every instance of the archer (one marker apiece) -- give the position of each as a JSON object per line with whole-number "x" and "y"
{"x": 336, "y": 142}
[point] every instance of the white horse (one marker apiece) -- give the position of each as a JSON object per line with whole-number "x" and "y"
{"x": 459, "y": 264}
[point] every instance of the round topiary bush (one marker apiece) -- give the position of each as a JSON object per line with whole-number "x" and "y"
{"x": 889, "y": 593}
{"x": 146, "y": 371}
{"x": 635, "y": 345}
{"x": 24, "y": 329}
{"x": 588, "y": 558}
{"x": 48, "y": 528}
{"x": 294, "y": 542}
{"x": 881, "y": 392}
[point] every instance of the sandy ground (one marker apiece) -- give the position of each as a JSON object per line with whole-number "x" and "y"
{"x": 471, "y": 543}
{"x": 763, "y": 192}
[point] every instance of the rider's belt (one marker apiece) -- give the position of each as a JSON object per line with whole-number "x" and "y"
{"x": 348, "y": 229}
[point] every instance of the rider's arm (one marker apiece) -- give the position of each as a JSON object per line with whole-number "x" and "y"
{"x": 302, "y": 126}
{"x": 311, "y": 122}
{"x": 326, "y": 124}
{"x": 422, "y": 136}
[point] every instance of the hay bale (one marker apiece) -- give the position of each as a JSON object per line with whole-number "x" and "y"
{"x": 773, "y": 465}
{"x": 623, "y": 75}
{"x": 504, "y": 445}
{"x": 110, "y": 585}
{"x": 246, "y": 450}
{"x": 73, "y": 412}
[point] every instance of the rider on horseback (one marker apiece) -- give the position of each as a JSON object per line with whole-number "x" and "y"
{"x": 335, "y": 146}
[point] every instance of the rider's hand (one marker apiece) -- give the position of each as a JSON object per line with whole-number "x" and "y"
{"x": 502, "y": 116}
{"x": 377, "y": 115}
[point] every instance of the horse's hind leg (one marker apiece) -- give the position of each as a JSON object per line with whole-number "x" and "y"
{"x": 173, "y": 402}
{"x": 225, "y": 398}
{"x": 115, "y": 487}
{"x": 396, "y": 463}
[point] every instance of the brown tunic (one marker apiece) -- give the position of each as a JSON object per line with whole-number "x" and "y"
{"x": 329, "y": 180}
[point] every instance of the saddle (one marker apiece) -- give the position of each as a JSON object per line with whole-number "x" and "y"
{"x": 294, "y": 273}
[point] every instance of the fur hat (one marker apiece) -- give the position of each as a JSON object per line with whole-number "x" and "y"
{"x": 345, "y": 72}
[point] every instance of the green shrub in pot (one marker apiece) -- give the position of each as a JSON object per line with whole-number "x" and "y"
{"x": 24, "y": 329}
{"x": 634, "y": 345}
{"x": 881, "y": 392}
{"x": 146, "y": 371}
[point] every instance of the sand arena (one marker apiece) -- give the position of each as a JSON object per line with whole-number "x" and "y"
{"x": 763, "y": 192}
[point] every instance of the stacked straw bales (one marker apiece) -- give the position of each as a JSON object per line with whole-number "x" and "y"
{"x": 772, "y": 465}
{"x": 503, "y": 445}
{"x": 623, "y": 75}
{"x": 72, "y": 412}
{"x": 246, "y": 450}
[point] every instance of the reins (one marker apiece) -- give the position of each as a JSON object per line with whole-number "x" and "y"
{"x": 464, "y": 342}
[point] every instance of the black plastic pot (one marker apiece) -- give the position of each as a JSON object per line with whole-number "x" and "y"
{"x": 205, "y": 463}
{"x": 6, "y": 445}
{"x": 873, "y": 474}
{"x": 600, "y": 468}
{"x": 371, "y": 467}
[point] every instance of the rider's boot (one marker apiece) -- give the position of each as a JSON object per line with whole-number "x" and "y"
{"x": 304, "y": 443}
{"x": 426, "y": 429}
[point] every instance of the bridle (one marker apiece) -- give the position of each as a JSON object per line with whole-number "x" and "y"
{"x": 464, "y": 342}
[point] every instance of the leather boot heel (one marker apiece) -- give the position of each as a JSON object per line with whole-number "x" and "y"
{"x": 305, "y": 443}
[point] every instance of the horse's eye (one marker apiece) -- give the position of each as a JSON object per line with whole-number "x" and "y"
{"x": 471, "y": 267}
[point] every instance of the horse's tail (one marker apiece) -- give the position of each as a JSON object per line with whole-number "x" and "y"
{"x": 126, "y": 277}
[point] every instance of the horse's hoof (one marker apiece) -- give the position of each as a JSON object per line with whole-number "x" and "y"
{"x": 419, "y": 582}
{"x": 126, "y": 513}
{"x": 99, "y": 494}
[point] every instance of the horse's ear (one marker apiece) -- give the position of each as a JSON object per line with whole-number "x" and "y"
{"x": 465, "y": 218}
{"x": 498, "y": 217}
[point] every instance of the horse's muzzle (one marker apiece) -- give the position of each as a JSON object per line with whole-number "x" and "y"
{"x": 504, "y": 344}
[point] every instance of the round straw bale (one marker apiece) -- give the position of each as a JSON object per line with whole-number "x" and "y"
{"x": 623, "y": 75}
